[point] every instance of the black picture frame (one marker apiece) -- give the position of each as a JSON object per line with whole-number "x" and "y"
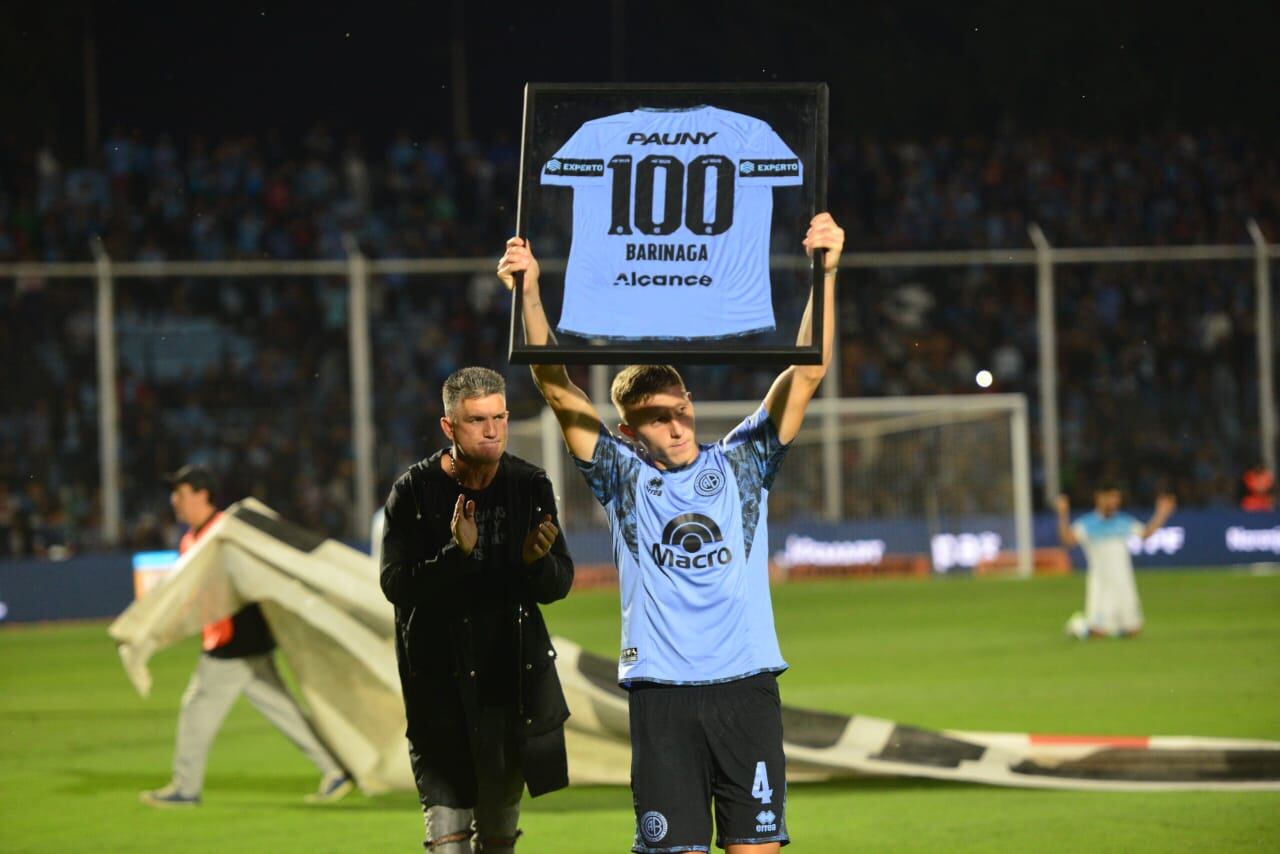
{"x": 797, "y": 112}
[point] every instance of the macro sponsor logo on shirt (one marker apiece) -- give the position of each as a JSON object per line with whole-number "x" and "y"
{"x": 696, "y": 536}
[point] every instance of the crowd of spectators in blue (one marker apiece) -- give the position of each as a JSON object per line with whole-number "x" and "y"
{"x": 1157, "y": 372}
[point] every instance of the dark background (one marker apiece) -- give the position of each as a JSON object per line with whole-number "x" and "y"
{"x": 79, "y": 69}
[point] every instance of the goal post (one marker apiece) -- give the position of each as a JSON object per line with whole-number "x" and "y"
{"x": 942, "y": 480}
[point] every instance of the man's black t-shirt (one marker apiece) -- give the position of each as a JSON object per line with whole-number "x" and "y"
{"x": 491, "y": 601}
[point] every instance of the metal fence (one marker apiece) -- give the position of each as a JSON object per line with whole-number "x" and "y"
{"x": 1045, "y": 260}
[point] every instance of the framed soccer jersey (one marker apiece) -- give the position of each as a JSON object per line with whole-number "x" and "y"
{"x": 668, "y": 219}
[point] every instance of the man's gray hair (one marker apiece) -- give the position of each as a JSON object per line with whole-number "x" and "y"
{"x": 468, "y": 383}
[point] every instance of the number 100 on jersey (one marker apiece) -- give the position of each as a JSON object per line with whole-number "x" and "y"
{"x": 679, "y": 213}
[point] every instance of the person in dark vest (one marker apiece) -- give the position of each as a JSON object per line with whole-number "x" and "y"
{"x": 238, "y": 658}
{"x": 471, "y": 547}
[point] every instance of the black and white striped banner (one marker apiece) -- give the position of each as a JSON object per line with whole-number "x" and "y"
{"x": 824, "y": 746}
{"x": 333, "y": 626}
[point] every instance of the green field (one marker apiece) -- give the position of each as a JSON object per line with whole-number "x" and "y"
{"x": 77, "y": 744}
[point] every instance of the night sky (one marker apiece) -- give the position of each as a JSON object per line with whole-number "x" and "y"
{"x": 893, "y": 68}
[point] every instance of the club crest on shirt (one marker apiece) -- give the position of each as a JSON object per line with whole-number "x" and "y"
{"x": 709, "y": 482}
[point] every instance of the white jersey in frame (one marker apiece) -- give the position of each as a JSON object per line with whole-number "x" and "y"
{"x": 672, "y": 216}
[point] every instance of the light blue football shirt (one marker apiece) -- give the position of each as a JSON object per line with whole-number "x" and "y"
{"x": 692, "y": 549}
{"x": 1093, "y": 526}
{"x": 1105, "y": 539}
{"x": 672, "y": 218}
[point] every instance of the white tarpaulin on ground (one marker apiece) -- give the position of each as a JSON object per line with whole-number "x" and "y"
{"x": 335, "y": 630}
{"x": 329, "y": 617}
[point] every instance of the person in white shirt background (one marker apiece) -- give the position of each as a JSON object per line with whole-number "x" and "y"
{"x": 1112, "y": 607}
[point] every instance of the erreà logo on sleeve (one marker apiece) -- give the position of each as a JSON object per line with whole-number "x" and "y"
{"x": 768, "y": 168}
{"x": 696, "y": 536}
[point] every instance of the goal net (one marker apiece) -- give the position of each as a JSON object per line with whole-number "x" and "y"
{"x": 875, "y": 485}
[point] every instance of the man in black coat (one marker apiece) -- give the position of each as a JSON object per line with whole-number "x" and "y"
{"x": 471, "y": 546}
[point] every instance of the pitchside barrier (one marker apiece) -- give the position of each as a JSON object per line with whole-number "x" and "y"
{"x": 808, "y": 548}
{"x": 103, "y": 585}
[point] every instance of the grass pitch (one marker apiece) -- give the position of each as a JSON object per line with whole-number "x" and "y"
{"x": 76, "y": 743}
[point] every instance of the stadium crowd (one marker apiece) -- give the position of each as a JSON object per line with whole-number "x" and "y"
{"x": 1157, "y": 372}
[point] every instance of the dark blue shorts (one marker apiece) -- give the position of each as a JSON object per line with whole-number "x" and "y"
{"x": 696, "y": 749}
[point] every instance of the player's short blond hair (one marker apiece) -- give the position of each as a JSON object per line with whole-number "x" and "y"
{"x": 636, "y": 383}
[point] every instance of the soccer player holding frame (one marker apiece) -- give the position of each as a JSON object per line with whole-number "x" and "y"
{"x": 699, "y": 655}
{"x": 1112, "y": 608}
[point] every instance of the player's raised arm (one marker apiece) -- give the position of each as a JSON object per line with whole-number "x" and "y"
{"x": 1065, "y": 535}
{"x": 794, "y": 388}
{"x": 579, "y": 421}
{"x": 1165, "y": 505}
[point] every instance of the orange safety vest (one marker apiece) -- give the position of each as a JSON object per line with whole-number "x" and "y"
{"x": 219, "y": 633}
{"x": 1257, "y": 485}
{"x": 1258, "y": 503}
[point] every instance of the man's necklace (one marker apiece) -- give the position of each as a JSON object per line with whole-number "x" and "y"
{"x": 453, "y": 469}
{"x": 453, "y": 473}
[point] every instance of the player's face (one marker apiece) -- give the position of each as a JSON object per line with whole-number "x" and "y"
{"x": 1107, "y": 501}
{"x": 189, "y": 506}
{"x": 478, "y": 429}
{"x": 663, "y": 425}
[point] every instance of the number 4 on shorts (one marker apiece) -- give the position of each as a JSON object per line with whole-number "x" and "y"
{"x": 760, "y": 788}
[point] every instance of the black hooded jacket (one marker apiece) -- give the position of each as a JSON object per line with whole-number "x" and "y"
{"x": 440, "y": 596}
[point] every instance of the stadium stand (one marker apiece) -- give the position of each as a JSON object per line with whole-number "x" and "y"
{"x": 1157, "y": 364}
